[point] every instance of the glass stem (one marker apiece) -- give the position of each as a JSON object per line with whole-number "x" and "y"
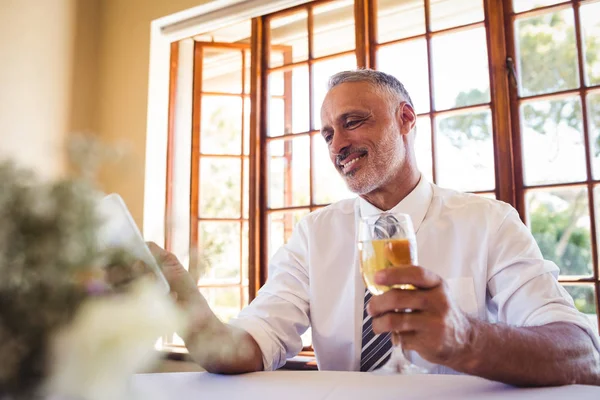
{"x": 398, "y": 357}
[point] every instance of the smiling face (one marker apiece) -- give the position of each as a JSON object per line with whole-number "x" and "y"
{"x": 367, "y": 133}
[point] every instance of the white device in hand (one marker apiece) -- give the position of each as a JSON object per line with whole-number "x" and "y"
{"x": 119, "y": 231}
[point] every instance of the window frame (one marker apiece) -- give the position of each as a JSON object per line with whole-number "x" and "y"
{"x": 519, "y": 186}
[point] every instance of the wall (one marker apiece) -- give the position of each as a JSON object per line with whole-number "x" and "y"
{"x": 123, "y": 89}
{"x": 78, "y": 65}
{"x": 84, "y": 91}
{"x": 36, "y": 43}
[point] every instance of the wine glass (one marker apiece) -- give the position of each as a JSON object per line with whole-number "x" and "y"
{"x": 387, "y": 240}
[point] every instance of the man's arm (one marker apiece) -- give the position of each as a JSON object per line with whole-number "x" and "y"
{"x": 215, "y": 346}
{"x": 221, "y": 348}
{"x": 553, "y": 354}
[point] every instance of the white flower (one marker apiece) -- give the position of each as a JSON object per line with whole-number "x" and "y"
{"x": 110, "y": 339}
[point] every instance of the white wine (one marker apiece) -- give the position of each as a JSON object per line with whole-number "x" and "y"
{"x": 376, "y": 255}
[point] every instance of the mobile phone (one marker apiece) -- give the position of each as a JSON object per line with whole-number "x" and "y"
{"x": 119, "y": 231}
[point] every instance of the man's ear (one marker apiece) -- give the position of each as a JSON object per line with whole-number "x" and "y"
{"x": 407, "y": 118}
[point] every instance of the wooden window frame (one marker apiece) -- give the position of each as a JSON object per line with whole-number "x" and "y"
{"x": 198, "y": 155}
{"x": 520, "y": 188}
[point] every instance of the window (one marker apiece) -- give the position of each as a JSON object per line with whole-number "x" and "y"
{"x": 452, "y": 98}
{"x": 556, "y": 47}
{"x": 507, "y": 94}
{"x": 220, "y": 151}
{"x": 306, "y": 46}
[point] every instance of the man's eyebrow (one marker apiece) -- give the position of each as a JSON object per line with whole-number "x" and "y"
{"x": 354, "y": 113}
{"x": 326, "y": 129}
{"x": 342, "y": 117}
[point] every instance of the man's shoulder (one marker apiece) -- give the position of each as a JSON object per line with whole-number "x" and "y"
{"x": 448, "y": 200}
{"x": 334, "y": 210}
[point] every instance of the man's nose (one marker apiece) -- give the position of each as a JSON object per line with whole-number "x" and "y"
{"x": 339, "y": 144}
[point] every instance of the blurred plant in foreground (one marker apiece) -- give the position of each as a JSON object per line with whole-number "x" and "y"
{"x": 64, "y": 330}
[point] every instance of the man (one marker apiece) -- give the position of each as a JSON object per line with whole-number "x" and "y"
{"x": 487, "y": 304}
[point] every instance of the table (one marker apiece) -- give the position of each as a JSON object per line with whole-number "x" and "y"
{"x": 304, "y": 385}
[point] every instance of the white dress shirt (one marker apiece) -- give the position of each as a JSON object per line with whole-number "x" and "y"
{"x": 479, "y": 246}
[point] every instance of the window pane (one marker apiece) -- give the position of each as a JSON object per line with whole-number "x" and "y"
{"x": 245, "y": 294}
{"x": 560, "y": 222}
{"x": 423, "y": 147}
{"x": 333, "y": 28}
{"x": 247, "y": 76}
{"x": 553, "y": 146}
{"x": 281, "y": 225}
{"x": 450, "y": 13}
{"x": 597, "y": 211}
{"x": 221, "y": 128}
{"x": 247, "y": 112}
{"x": 460, "y": 69}
{"x": 245, "y": 253}
{"x": 220, "y": 187}
{"x": 223, "y": 301}
{"x": 289, "y": 105}
{"x": 219, "y": 252}
{"x": 246, "y": 193}
{"x": 289, "y": 170}
{"x": 465, "y": 151}
{"x": 546, "y": 53}
{"x": 593, "y": 112}
{"x": 276, "y": 125}
{"x": 328, "y": 185}
{"x": 414, "y": 75}
{"x": 322, "y": 71}
{"x": 397, "y": 19}
{"x": 299, "y": 98}
{"x": 289, "y": 39}
{"x": 525, "y": 5}
{"x": 221, "y": 70}
{"x": 585, "y": 301}
{"x": 590, "y": 24}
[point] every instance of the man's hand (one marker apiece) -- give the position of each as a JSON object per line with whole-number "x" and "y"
{"x": 183, "y": 287}
{"x": 436, "y": 328}
{"x": 217, "y": 347}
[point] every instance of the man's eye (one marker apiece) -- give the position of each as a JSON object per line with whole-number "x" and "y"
{"x": 353, "y": 123}
{"x": 328, "y": 138}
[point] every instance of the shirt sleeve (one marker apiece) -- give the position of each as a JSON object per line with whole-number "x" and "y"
{"x": 280, "y": 312}
{"x": 523, "y": 288}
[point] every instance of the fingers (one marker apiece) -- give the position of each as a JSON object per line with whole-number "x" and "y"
{"x": 402, "y": 322}
{"x": 154, "y": 248}
{"x": 397, "y": 300}
{"x": 409, "y": 275}
{"x": 163, "y": 257}
{"x": 158, "y": 252}
{"x": 182, "y": 284}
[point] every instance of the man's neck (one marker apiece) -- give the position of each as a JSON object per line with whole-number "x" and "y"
{"x": 385, "y": 198}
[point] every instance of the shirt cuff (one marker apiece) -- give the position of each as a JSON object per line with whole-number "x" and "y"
{"x": 272, "y": 353}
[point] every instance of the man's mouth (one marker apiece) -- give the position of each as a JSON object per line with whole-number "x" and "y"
{"x": 346, "y": 165}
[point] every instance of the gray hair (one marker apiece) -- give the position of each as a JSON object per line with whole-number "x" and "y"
{"x": 380, "y": 79}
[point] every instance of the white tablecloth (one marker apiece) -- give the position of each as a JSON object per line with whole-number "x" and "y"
{"x": 303, "y": 385}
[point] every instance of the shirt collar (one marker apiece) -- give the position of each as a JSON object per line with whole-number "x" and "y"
{"x": 415, "y": 204}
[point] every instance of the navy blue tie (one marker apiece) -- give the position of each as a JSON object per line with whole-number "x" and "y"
{"x": 376, "y": 349}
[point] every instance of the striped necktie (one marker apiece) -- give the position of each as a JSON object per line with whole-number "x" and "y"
{"x": 376, "y": 349}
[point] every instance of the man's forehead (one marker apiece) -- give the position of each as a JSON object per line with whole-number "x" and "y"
{"x": 349, "y": 95}
{"x": 352, "y": 90}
